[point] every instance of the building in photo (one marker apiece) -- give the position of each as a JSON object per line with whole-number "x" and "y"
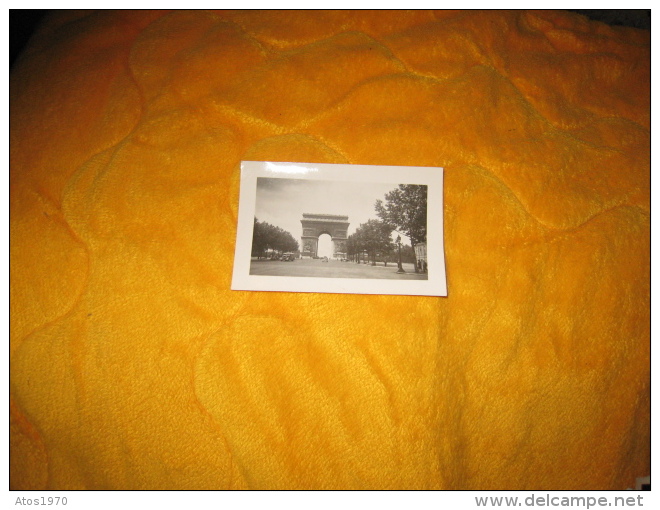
{"x": 420, "y": 255}
{"x": 315, "y": 225}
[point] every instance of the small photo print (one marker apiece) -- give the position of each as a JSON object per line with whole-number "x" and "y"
{"x": 336, "y": 228}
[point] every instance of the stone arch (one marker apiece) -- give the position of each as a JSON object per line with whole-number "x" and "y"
{"x": 315, "y": 225}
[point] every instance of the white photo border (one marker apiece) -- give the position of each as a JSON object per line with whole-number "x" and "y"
{"x": 435, "y": 285}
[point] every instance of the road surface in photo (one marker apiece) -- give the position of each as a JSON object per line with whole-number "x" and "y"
{"x": 316, "y": 268}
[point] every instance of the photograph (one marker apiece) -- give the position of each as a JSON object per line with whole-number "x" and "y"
{"x": 340, "y": 228}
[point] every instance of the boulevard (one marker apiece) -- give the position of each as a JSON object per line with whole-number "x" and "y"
{"x": 316, "y": 268}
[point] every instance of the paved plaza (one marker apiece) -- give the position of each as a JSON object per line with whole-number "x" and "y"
{"x": 333, "y": 269}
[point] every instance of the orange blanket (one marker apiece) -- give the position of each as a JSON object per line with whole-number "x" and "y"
{"x": 134, "y": 366}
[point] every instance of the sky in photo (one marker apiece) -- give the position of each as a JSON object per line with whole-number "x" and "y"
{"x": 282, "y": 202}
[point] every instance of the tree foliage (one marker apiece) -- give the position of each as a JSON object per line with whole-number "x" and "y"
{"x": 269, "y": 237}
{"x": 374, "y": 237}
{"x": 405, "y": 209}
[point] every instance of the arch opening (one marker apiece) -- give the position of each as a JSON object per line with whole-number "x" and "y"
{"x": 325, "y": 246}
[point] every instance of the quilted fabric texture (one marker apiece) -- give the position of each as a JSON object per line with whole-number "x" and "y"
{"x": 134, "y": 366}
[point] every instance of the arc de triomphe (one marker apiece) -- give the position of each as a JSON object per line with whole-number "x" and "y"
{"x": 315, "y": 225}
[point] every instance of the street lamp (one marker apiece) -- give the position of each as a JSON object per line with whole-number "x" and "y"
{"x": 398, "y": 242}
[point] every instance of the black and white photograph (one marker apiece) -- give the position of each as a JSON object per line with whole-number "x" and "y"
{"x": 340, "y": 229}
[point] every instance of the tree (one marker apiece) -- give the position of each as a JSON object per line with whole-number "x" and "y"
{"x": 374, "y": 237}
{"x": 269, "y": 237}
{"x": 351, "y": 248}
{"x": 354, "y": 247}
{"x": 258, "y": 239}
{"x": 405, "y": 210}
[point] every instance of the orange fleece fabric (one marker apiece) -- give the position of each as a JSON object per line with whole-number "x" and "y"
{"x": 134, "y": 366}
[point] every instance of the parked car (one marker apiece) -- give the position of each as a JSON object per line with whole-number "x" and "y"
{"x": 288, "y": 257}
{"x": 324, "y": 259}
